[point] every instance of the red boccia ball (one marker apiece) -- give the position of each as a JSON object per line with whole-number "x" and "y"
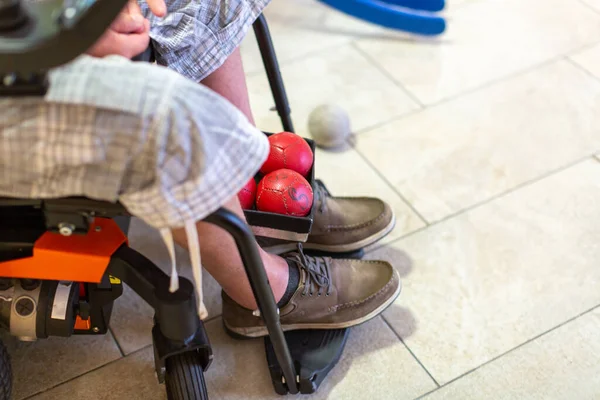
{"x": 284, "y": 192}
{"x": 248, "y": 194}
{"x": 288, "y": 151}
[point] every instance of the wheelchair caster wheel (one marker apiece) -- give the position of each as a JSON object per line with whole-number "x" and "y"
{"x": 184, "y": 377}
{"x": 5, "y": 374}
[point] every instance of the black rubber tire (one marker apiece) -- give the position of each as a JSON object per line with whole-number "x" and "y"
{"x": 184, "y": 377}
{"x": 5, "y": 374}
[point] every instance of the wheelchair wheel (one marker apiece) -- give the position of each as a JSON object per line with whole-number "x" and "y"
{"x": 184, "y": 377}
{"x": 5, "y": 374}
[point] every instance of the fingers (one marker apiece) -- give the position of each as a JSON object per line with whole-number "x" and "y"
{"x": 129, "y": 23}
{"x": 132, "y": 8}
{"x": 127, "y": 45}
{"x": 130, "y": 20}
{"x": 101, "y": 47}
{"x": 158, "y": 7}
{"x": 131, "y": 45}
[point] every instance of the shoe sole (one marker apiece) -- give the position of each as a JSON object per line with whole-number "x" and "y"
{"x": 336, "y": 248}
{"x": 261, "y": 331}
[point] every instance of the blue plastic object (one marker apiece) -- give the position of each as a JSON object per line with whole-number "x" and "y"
{"x": 392, "y": 14}
{"x": 425, "y": 5}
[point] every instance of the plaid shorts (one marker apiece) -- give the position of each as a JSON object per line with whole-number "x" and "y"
{"x": 197, "y": 36}
{"x": 110, "y": 129}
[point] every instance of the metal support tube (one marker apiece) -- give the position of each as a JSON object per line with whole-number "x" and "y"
{"x": 259, "y": 282}
{"x": 267, "y": 52}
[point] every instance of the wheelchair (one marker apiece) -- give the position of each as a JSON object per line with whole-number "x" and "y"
{"x": 63, "y": 263}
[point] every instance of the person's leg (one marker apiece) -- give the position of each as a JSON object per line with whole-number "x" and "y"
{"x": 312, "y": 292}
{"x": 229, "y": 80}
{"x": 222, "y": 260}
{"x": 218, "y": 250}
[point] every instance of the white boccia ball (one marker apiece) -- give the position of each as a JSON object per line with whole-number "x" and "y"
{"x": 329, "y": 126}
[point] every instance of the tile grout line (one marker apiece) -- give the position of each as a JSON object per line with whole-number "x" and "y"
{"x": 287, "y": 62}
{"x": 519, "y": 186}
{"x": 116, "y": 342}
{"x": 476, "y": 89}
{"x": 211, "y": 319}
{"x": 581, "y": 68}
{"x": 511, "y": 350}
{"x": 479, "y": 88}
{"x": 490, "y": 199}
{"x": 584, "y": 3}
{"x": 389, "y": 184}
{"x": 410, "y": 351}
{"x": 389, "y": 326}
{"x": 381, "y": 69}
{"x": 512, "y": 75}
{"x": 391, "y": 120}
{"x": 85, "y": 373}
{"x": 123, "y": 355}
{"x": 583, "y": 48}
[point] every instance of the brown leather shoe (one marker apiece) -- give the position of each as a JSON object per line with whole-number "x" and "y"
{"x": 332, "y": 294}
{"x": 341, "y": 224}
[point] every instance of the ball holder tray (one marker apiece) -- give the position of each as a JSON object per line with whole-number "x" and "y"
{"x": 280, "y": 226}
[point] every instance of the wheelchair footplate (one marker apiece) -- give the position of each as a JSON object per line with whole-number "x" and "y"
{"x": 279, "y": 226}
{"x": 314, "y": 352}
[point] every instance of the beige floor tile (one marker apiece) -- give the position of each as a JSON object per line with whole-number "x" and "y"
{"x": 589, "y": 59}
{"x": 486, "y": 41}
{"x": 561, "y": 365}
{"x": 301, "y": 27}
{"x": 375, "y": 365}
{"x": 239, "y": 371}
{"x": 593, "y": 3}
{"x": 452, "y": 4}
{"x": 457, "y": 154}
{"x": 132, "y": 318}
{"x": 342, "y": 76}
{"x": 43, "y": 364}
{"x": 347, "y": 174}
{"x": 130, "y": 378}
{"x": 488, "y": 280}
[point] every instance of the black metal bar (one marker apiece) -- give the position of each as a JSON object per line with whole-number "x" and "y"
{"x": 267, "y": 52}
{"x": 176, "y": 313}
{"x": 138, "y": 272}
{"x": 259, "y": 282}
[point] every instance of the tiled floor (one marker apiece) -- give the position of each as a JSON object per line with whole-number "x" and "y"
{"x": 483, "y": 141}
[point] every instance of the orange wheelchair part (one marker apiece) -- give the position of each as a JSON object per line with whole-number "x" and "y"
{"x": 75, "y": 258}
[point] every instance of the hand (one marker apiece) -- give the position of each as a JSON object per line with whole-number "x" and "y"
{"x": 127, "y": 36}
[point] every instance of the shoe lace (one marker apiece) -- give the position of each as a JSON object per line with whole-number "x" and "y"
{"x": 321, "y": 195}
{"x": 318, "y": 273}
